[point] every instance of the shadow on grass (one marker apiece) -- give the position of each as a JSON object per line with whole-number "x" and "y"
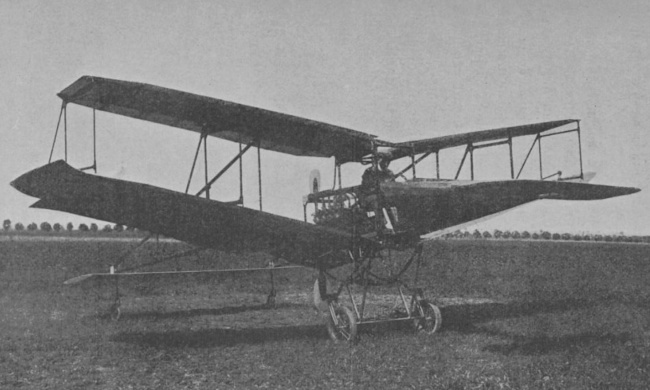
{"x": 221, "y": 337}
{"x": 540, "y": 345}
{"x": 464, "y": 318}
{"x": 160, "y": 315}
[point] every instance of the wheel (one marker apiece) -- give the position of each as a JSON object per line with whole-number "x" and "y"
{"x": 114, "y": 311}
{"x": 430, "y": 318}
{"x": 342, "y": 324}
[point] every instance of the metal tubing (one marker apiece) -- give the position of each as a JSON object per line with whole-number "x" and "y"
{"x": 65, "y": 132}
{"x": 259, "y": 172}
{"x": 414, "y": 162}
{"x": 339, "y": 170}
{"x": 580, "y": 151}
{"x": 406, "y": 305}
{"x": 528, "y": 155}
{"x": 462, "y": 162}
{"x": 223, "y": 170}
{"x": 94, "y": 166}
{"x": 241, "y": 177}
{"x": 354, "y": 303}
{"x": 196, "y": 156}
{"x": 205, "y": 161}
{"x": 56, "y": 132}
{"x": 539, "y": 144}
{"x": 94, "y": 141}
{"x": 471, "y": 161}
{"x": 512, "y": 161}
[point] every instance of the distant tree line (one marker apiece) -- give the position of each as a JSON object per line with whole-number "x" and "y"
{"x": 57, "y": 227}
{"x": 543, "y": 235}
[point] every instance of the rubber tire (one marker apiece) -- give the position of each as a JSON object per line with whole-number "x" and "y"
{"x": 346, "y": 330}
{"x": 432, "y": 318}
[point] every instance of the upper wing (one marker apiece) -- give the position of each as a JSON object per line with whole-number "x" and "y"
{"x": 272, "y": 130}
{"x": 196, "y": 220}
{"x": 438, "y": 143}
{"x": 231, "y": 121}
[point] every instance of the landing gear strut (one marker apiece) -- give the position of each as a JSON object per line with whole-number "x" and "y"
{"x": 342, "y": 322}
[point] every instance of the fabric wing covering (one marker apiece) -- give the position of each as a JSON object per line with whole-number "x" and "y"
{"x": 231, "y": 121}
{"x": 199, "y": 221}
{"x": 264, "y": 128}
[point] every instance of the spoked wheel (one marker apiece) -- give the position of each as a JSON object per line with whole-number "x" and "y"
{"x": 429, "y": 317}
{"x": 342, "y": 324}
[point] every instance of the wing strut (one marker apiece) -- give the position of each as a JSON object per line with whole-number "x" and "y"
{"x": 224, "y": 169}
{"x": 56, "y": 132}
{"x": 63, "y": 113}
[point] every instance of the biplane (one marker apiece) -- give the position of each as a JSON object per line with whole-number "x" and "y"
{"x": 352, "y": 227}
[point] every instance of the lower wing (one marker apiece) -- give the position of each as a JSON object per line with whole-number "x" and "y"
{"x": 203, "y": 222}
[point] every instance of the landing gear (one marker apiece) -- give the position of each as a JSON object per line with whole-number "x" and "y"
{"x": 342, "y": 323}
{"x": 428, "y": 317}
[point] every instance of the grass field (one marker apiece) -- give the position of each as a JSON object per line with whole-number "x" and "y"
{"x": 516, "y": 314}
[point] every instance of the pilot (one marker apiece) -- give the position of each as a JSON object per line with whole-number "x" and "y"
{"x": 373, "y": 176}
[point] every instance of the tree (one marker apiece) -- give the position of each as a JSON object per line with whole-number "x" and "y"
{"x": 32, "y": 226}
{"x": 516, "y": 235}
{"x": 46, "y": 227}
{"x": 69, "y": 227}
{"x": 118, "y": 228}
{"x": 19, "y": 227}
{"x": 57, "y": 227}
{"x": 546, "y": 235}
{"x": 506, "y": 234}
{"x": 93, "y": 227}
{"x": 477, "y": 233}
{"x": 107, "y": 229}
{"x": 535, "y": 236}
{"x": 556, "y": 236}
{"x": 525, "y": 234}
{"x": 487, "y": 234}
{"x": 497, "y": 233}
{"x": 6, "y": 225}
{"x": 83, "y": 227}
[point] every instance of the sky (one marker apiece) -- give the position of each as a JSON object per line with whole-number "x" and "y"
{"x": 400, "y": 70}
